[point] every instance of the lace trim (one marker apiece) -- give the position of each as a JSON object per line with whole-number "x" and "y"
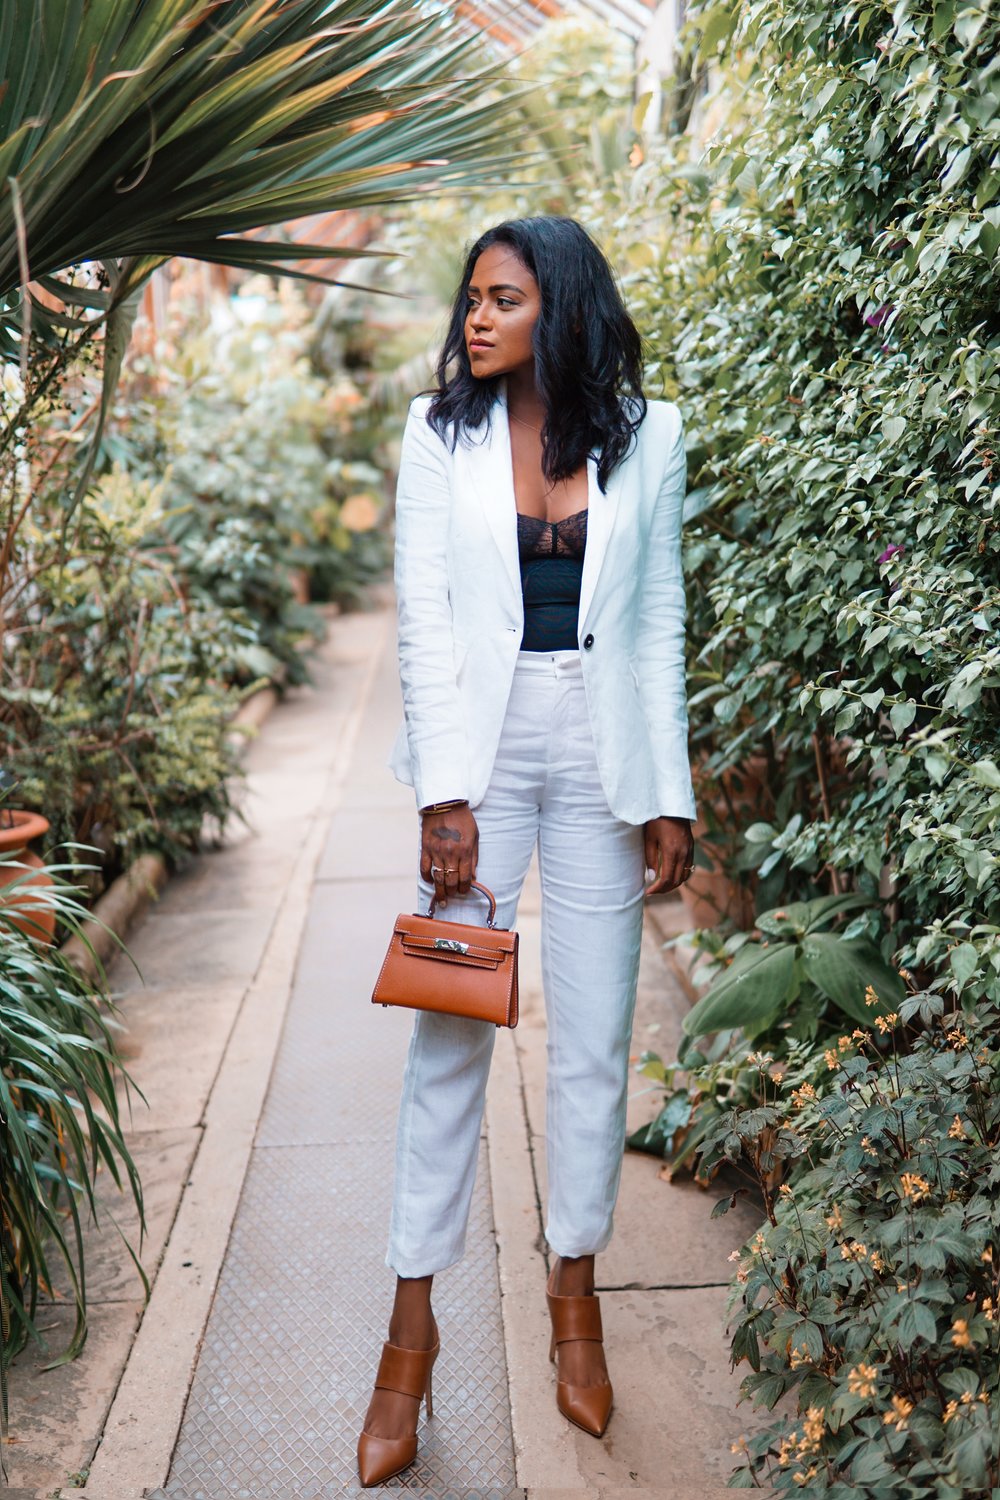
{"x": 565, "y": 538}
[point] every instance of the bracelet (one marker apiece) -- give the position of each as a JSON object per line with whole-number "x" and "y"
{"x": 440, "y": 807}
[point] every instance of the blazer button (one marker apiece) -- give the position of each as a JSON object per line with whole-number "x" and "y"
{"x": 588, "y": 641}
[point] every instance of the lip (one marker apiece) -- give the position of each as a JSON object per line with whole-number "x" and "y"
{"x": 476, "y": 346}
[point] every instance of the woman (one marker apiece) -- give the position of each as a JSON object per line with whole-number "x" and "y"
{"x": 541, "y": 649}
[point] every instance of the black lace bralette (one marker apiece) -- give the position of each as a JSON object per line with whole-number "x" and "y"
{"x": 565, "y": 538}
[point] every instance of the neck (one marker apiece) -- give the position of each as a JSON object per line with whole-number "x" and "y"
{"x": 523, "y": 399}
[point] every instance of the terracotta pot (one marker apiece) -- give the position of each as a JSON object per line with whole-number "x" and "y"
{"x": 709, "y": 895}
{"x": 16, "y": 828}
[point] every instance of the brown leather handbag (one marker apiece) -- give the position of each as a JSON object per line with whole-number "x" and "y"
{"x": 451, "y": 967}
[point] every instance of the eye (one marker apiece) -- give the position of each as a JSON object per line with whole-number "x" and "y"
{"x": 506, "y": 302}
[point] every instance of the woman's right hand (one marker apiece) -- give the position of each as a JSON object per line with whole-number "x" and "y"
{"x": 449, "y": 851}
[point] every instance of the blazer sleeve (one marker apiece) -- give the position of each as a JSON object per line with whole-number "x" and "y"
{"x": 435, "y": 729}
{"x": 660, "y": 657}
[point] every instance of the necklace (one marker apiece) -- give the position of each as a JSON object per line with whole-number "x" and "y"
{"x": 522, "y": 423}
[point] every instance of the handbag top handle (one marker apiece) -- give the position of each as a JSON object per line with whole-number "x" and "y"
{"x": 491, "y": 919}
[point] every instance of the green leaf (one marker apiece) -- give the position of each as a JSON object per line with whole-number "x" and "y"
{"x": 964, "y": 961}
{"x": 987, "y": 773}
{"x": 902, "y": 715}
{"x": 915, "y": 1321}
{"x": 843, "y": 969}
{"x": 754, "y": 987}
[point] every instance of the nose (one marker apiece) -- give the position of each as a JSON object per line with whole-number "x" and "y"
{"x": 478, "y": 319}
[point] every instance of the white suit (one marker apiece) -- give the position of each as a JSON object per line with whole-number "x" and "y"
{"x": 569, "y": 752}
{"x": 461, "y": 617}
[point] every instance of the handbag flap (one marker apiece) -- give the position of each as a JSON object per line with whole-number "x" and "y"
{"x": 414, "y": 931}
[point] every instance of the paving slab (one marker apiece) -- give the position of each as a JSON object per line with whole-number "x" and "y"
{"x": 162, "y": 1158}
{"x": 196, "y": 949}
{"x": 56, "y": 1416}
{"x": 173, "y": 1039}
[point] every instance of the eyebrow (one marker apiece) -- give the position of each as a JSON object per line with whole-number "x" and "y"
{"x": 501, "y": 286}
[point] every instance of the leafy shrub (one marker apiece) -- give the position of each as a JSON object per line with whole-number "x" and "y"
{"x": 59, "y": 1112}
{"x": 872, "y": 1294}
{"x": 820, "y": 293}
{"x": 115, "y": 703}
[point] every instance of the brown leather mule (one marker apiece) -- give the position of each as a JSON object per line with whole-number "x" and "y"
{"x": 573, "y": 1319}
{"x": 409, "y": 1372}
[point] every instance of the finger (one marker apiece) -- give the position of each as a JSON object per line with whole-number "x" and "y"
{"x": 436, "y": 876}
{"x": 464, "y": 874}
{"x": 656, "y": 862}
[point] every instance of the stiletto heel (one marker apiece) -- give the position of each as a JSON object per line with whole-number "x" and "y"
{"x": 552, "y": 1347}
{"x": 574, "y": 1319}
{"x": 409, "y": 1372}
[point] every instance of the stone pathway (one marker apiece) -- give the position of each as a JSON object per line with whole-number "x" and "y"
{"x": 273, "y": 1086}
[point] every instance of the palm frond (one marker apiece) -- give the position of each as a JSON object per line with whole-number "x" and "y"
{"x": 133, "y": 130}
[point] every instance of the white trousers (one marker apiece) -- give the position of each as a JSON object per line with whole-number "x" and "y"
{"x": 545, "y": 790}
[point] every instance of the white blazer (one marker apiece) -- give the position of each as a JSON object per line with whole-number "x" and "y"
{"x": 461, "y": 618}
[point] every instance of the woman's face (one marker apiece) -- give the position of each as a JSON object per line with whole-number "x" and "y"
{"x": 503, "y": 308}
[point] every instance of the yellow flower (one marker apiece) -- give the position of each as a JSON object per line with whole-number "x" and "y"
{"x": 871, "y": 998}
{"x": 876, "y": 1262}
{"x": 835, "y": 1220}
{"x": 897, "y": 1417}
{"x": 785, "y": 1190}
{"x": 801, "y": 1096}
{"x": 861, "y": 1381}
{"x": 957, "y": 1038}
{"x": 757, "y": 1243}
{"x": 960, "y": 1334}
{"x": 987, "y": 1255}
{"x": 913, "y": 1186}
{"x": 831, "y": 1058}
{"x": 886, "y": 1023}
{"x": 989, "y": 1310}
{"x": 951, "y": 1410}
{"x": 803, "y": 1477}
{"x": 858, "y": 1035}
{"x": 856, "y": 1251}
{"x": 905, "y": 974}
{"x": 786, "y": 1451}
{"x": 844, "y": 1043}
{"x": 813, "y": 1427}
{"x": 956, "y": 1130}
{"x": 868, "y": 1148}
{"x": 798, "y": 1357}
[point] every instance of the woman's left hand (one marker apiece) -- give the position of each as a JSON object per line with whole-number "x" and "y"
{"x": 669, "y": 853}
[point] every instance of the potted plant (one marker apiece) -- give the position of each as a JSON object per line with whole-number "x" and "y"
{"x": 23, "y": 875}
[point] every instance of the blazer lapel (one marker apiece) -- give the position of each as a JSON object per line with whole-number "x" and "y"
{"x": 492, "y": 471}
{"x": 600, "y": 520}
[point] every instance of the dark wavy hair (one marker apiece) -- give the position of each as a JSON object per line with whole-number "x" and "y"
{"x": 588, "y": 353}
